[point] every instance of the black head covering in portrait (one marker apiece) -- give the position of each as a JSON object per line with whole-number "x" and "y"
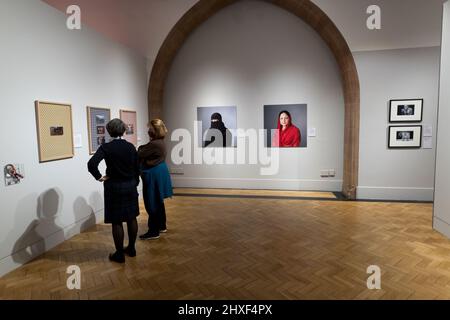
{"x": 217, "y": 124}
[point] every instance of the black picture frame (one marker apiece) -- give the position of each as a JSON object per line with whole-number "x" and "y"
{"x": 405, "y": 137}
{"x": 406, "y": 110}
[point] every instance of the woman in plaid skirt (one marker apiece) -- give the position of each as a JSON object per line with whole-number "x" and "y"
{"x": 120, "y": 187}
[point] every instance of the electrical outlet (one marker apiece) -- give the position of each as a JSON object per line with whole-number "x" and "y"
{"x": 176, "y": 170}
{"x": 324, "y": 173}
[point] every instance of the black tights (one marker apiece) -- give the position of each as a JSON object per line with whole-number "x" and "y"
{"x": 118, "y": 234}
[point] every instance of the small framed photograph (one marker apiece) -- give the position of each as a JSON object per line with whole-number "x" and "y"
{"x": 130, "y": 119}
{"x": 100, "y": 119}
{"x": 100, "y": 130}
{"x": 14, "y": 173}
{"x": 97, "y": 118}
{"x": 56, "y": 131}
{"x": 405, "y": 137}
{"x": 101, "y": 140}
{"x": 409, "y": 110}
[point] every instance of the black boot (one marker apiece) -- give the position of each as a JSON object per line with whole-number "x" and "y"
{"x": 131, "y": 252}
{"x": 117, "y": 257}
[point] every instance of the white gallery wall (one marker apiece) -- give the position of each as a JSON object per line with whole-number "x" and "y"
{"x": 441, "y": 215}
{"x": 253, "y": 53}
{"x": 396, "y": 174}
{"x": 42, "y": 60}
{"x": 249, "y": 55}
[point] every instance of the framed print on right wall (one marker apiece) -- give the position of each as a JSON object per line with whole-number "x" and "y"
{"x": 405, "y": 137}
{"x": 408, "y": 110}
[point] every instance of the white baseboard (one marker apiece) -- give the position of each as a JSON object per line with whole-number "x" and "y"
{"x": 8, "y": 263}
{"x": 389, "y": 193}
{"x": 441, "y": 226}
{"x": 277, "y": 184}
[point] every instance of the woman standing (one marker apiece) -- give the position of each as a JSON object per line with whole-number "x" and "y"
{"x": 157, "y": 185}
{"x": 120, "y": 187}
{"x": 287, "y": 135}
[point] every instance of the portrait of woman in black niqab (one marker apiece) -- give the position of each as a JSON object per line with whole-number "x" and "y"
{"x": 218, "y": 131}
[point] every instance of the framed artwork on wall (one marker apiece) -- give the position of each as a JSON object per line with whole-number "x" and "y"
{"x": 97, "y": 119}
{"x": 218, "y": 126}
{"x": 130, "y": 119}
{"x": 291, "y": 116}
{"x": 54, "y": 130}
{"x": 409, "y": 110}
{"x": 13, "y": 173}
{"x": 405, "y": 137}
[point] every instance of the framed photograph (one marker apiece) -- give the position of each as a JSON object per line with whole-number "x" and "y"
{"x": 409, "y": 110}
{"x": 219, "y": 126}
{"x": 130, "y": 119}
{"x": 13, "y": 173}
{"x": 97, "y": 120}
{"x": 54, "y": 131}
{"x": 101, "y": 130}
{"x": 405, "y": 137}
{"x": 286, "y": 125}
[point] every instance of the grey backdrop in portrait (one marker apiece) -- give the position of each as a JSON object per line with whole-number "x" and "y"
{"x": 299, "y": 119}
{"x": 229, "y": 118}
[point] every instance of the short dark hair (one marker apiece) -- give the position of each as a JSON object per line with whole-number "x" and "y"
{"x": 116, "y": 128}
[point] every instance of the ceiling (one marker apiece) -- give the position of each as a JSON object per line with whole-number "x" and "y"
{"x": 143, "y": 24}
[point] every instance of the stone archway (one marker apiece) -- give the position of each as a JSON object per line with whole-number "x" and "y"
{"x": 320, "y": 22}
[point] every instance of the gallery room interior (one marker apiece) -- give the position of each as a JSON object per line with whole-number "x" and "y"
{"x": 305, "y": 147}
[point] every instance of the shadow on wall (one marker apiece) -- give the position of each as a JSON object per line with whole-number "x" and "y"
{"x": 96, "y": 201}
{"x": 82, "y": 251}
{"x": 83, "y": 212}
{"x": 33, "y": 241}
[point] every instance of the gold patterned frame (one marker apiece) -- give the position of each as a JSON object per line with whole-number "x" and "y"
{"x": 133, "y": 137}
{"x": 89, "y": 124}
{"x": 58, "y": 146}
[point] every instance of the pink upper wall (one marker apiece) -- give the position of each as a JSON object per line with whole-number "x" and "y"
{"x": 139, "y": 24}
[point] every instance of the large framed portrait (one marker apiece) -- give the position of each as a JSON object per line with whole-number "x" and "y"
{"x": 97, "y": 120}
{"x": 130, "y": 120}
{"x": 219, "y": 126}
{"x": 286, "y": 125}
{"x": 54, "y": 130}
{"x": 405, "y": 137}
{"x": 409, "y": 110}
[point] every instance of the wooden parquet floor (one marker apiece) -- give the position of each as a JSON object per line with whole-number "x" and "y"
{"x": 263, "y": 193}
{"x": 219, "y": 248}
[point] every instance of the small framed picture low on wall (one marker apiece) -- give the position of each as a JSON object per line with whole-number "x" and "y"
{"x": 409, "y": 110}
{"x": 405, "y": 137}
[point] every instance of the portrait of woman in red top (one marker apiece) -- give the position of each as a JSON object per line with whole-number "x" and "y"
{"x": 287, "y": 134}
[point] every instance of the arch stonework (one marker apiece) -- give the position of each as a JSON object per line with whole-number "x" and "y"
{"x": 320, "y": 22}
